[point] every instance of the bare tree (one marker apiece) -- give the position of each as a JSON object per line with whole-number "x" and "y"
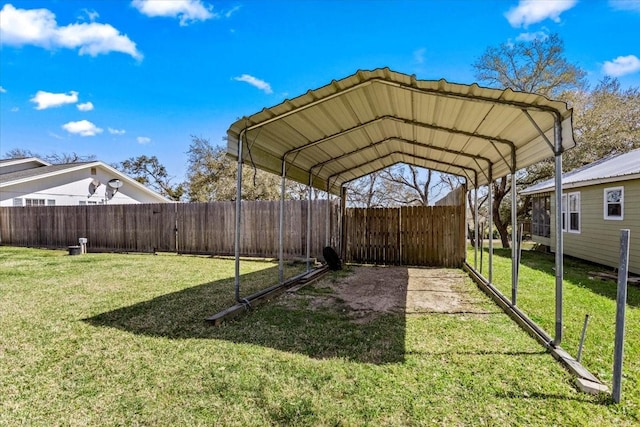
{"x": 415, "y": 189}
{"x": 368, "y": 192}
{"x": 536, "y": 66}
{"x": 53, "y": 158}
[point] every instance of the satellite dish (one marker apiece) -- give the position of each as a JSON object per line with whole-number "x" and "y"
{"x": 114, "y": 183}
{"x": 112, "y": 188}
{"x": 93, "y": 185}
{"x": 110, "y": 192}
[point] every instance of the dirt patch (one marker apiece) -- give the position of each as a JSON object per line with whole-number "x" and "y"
{"x": 370, "y": 291}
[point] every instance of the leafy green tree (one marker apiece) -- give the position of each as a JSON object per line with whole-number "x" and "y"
{"x": 212, "y": 175}
{"x": 536, "y": 66}
{"x": 606, "y": 122}
{"x": 151, "y": 173}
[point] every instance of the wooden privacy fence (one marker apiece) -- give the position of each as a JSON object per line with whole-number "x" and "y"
{"x": 412, "y": 235}
{"x": 200, "y": 228}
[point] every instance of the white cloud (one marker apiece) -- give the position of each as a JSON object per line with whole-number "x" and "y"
{"x": 253, "y": 81}
{"x": 49, "y": 100}
{"x": 418, "y": 55}
{"x": 188, "y": 11}
{"x": 231, "y": 11}
{"x": 143, "y": 140}
{"x": 38, "y": 27}
{"x": 631, "y": 5}
{"x": 82, "y": 128}
{"x": 91, "y": 14}
{"x": 532, "y": 11}
{"x": 621, "y": 66}
{"x": 94, "y": 39}
{"x": 2, "y": 90}
{"x": 116, "y": 131}
{"x": 87, "y": 106}
{"x": 15, "y": 109}
{"x": 528, "y": 37}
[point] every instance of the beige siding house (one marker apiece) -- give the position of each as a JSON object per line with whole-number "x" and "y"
{"x": 599, "y": 200}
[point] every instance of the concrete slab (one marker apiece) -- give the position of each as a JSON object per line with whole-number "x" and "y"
{"x": 591, "y": 387}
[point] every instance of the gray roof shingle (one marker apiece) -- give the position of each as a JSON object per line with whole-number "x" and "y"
{"x": 42, "y": 170}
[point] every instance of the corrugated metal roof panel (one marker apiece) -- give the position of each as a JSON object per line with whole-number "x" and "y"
{"x": 623, "y": 166}
{"x": 350, "y": 127}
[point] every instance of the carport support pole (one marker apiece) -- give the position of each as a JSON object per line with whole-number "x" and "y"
{"x": 559, "y": 237}
{"x": 343, "y": 222}
{"x": 490, "y": 200}
{"x": 476, "y": 226}
{"x": 238, "y": 207}
{"x": 281, "y": 225}
{"x": 309, "y": 191}
{"x": 327, "y": 237}
{"x": 514, "y": 234}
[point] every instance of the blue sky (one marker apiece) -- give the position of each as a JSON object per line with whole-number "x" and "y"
{"x": 124, "y": 78}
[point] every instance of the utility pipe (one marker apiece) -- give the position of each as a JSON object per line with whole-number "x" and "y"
{"x": 582, "y": 336}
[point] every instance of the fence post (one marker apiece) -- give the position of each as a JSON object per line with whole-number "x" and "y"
{"x": 618, "y": 348}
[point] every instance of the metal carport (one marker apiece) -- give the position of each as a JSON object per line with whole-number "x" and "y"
{"x": 370, "y": 120}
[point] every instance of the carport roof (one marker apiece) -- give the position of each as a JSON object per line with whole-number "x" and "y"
{"x": 374, "y": 119}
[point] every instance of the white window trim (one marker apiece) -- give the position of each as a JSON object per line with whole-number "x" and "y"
{"x": 34, "y": 202}
{"x": 569, "y": 212}
{"x": 564, "y": 209}
{"x": 605, "y": 205}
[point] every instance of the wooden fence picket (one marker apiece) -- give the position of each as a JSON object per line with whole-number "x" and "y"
{"x": 197, "y": 228}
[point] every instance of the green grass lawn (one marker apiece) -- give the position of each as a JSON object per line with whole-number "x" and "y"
{"x": 113, "y": 339}
{"x": 583, "y": 294}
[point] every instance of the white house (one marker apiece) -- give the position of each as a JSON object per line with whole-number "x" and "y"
{"x": 34, "y": 182}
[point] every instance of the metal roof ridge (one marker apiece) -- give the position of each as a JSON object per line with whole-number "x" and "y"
{"x": 542, "y": 186}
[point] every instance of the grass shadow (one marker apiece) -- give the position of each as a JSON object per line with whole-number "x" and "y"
{"x": 522, "y": 395}
{"x": 325, "y": 332}
{"x": 576, "y": 272}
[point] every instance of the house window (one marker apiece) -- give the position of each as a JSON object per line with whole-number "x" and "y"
{"x": 614, "y": 203}
{"x": 94, "y": 171}
{"x": 17, "y": 201}
{"x": 34, "y": 202}
{"x": 541, "y": 216}
{"x": 574, "y": 212}
{"x": 51, "y": 202}
{"x": 564, "y": 212}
